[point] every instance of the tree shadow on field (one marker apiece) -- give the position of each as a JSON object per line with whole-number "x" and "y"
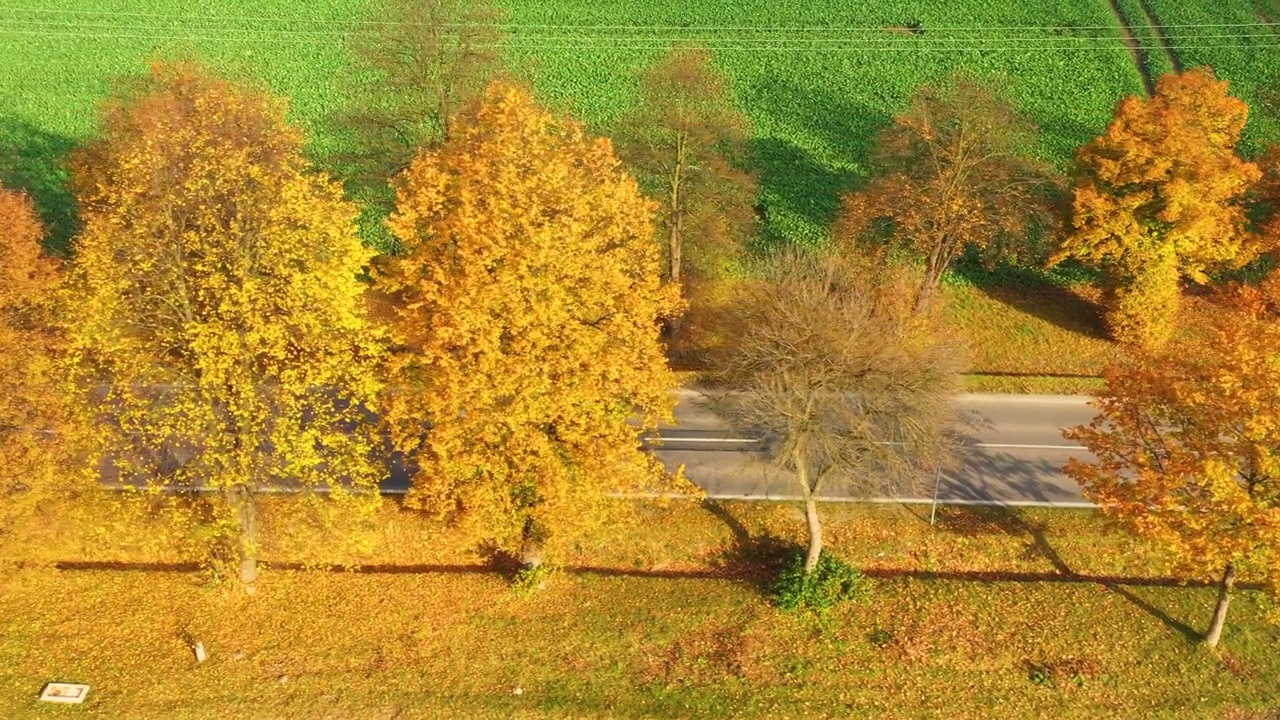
{"x": 1044, "y": 294}
{"x": 1062, "y": 135}
{"x": 753, "y": 560}
{"x": 792, "y": 180}
{"x": 35, "y": 161}
{"x": 1054, "y": 304}
{"x": 976, "y": 521}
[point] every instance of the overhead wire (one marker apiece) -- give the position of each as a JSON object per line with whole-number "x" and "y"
{"x": 614, "y": 42}
{"x": 62, "y": 27}
{"x": 305, "y": 19}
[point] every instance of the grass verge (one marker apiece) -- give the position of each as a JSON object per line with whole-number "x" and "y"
{"x": 662, "y": 623}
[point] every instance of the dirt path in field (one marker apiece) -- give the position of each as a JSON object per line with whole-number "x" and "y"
{"x": 1148, "y": 83}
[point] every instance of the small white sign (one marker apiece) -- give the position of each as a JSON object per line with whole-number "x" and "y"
{"x": 64, "y": 692}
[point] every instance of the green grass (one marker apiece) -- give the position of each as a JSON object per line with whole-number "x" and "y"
{"x": 670, "y": 622}
{"x": 816, "y": 93}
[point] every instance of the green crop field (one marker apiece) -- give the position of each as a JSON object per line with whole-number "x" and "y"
{"x": 1240, "y": 40}
{"x": 817, "y": 82}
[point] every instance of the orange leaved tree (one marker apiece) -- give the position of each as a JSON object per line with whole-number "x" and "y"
{"x": 34, "y": 424}
{"x": 527, "y": 306}
{"x": 220, "y": 323}
{"x": 1158, "y": 197}
{"x": 1188, "y": 443}
{"x": 957, "y": 170}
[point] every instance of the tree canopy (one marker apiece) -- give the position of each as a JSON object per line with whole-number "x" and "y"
{"x": 527, "y": 305}
{"x": 219, "y": 325}
{"x": 35, "y": 428}
{"x": 848, "y": 383}
{"x": 1188, "y": 442}
{"x": 957, "y": 170}
{"x": 682, "y": 140}
{"x": 1159, "y": 197}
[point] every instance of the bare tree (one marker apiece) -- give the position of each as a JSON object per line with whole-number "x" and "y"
{"x": 426, "y": 60}
{"x": 682, "y": 141}
{"x": 850, "y": 387}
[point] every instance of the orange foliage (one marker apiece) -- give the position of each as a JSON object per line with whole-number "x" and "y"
{"x": 1159, "y": 195}
{"x": 1188, "y": 439}
{"x": 682, "y": 141}
{"x": 957, "y": 171}
{"x": 31, "y": 459}
{"x": 528, "y": 301}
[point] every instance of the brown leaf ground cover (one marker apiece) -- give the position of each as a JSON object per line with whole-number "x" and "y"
{"x": 986, "y": 614}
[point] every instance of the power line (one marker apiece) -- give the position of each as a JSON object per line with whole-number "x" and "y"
{"x": 70, "y": 28}
{"x": 693, "y": 28}
{"x": 654, "y": 44}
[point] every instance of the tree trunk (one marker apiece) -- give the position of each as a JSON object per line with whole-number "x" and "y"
{"x": 530, "y": 547}
{"x": 676, "y": 230}
{"x": 245, "y": 507}
{"x": 810, "y": 507}
{"x": 936, "y": 263}
{"x": 677, "y": 223}
{"x": 1220, "y": 610}
{"x": 815, "y": 535}
{"x": 924, "y": 296}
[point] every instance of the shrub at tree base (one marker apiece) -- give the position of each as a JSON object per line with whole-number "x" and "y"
{"x": 832, "y": 582}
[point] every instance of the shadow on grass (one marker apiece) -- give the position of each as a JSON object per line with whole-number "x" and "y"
{"x": 793, "y": 183}
{"x": 728, "y": 573}
{"x": 754, "y": 560}
{"x": 1012, "y": 521}
{"x": 792, "y": 180}
{"x": 1054, "y": 304}
{"x": 35, "y": 161}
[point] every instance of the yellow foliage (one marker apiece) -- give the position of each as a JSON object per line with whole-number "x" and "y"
{"x": 528, "y": 301}
{"x": 219, "y": 331}
{"x": 1164, "y": 179}
{"x": 1143, "y": 301}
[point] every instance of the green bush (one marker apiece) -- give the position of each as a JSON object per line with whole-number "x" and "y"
{"x": 832, "y": 582}
{"x": 529, "y": 580}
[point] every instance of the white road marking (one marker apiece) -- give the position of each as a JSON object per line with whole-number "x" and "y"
{"x": 705, "y": 440}
{"x": 752, "y": 441}
{"x": 1011, "y": 446}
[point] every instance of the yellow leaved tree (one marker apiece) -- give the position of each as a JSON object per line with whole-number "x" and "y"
{"x": 1188, "y": 443}
{"x": 219, "y": 328}
{"x": 1159, "y": 197}
{"x": 527, "y": 306}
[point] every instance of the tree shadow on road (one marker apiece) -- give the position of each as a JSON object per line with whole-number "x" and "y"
{"x": 987, "y": 476}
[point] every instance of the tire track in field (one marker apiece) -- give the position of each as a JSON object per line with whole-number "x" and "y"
{"x": 1126, "y": 32}
{"x": 1165, "y": 45}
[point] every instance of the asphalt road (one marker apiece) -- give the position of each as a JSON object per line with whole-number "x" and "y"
{"x": 1014, "y": 453}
